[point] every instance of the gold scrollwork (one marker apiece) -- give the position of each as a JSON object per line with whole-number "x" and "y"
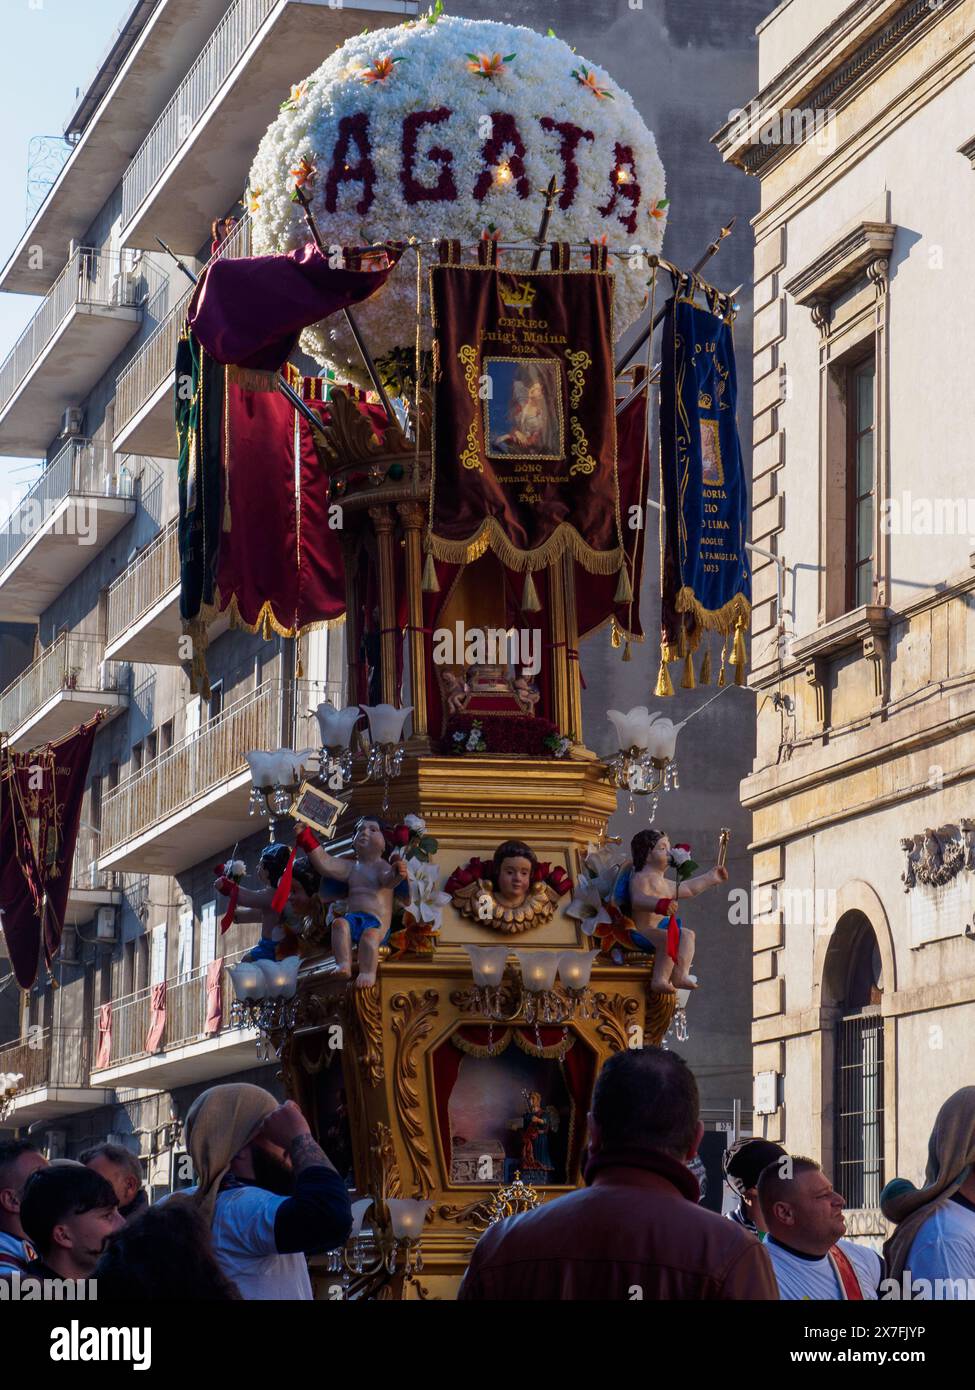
{"x": 413, "y": 1018}
{"x": 471, "y": 456}
{"x": 584, "y": 461}
{"x": 658, "y": 1017}
{"x": 386, "y": 1180}
{"x": 616, "y": 1013}
{"x": 365, "y": 1009}
{"x": 579, "y": 362}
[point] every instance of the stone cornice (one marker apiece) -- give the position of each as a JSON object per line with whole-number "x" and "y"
{"x": 968, "y": 150}
{"x": 843, "y": 634}
{"x": 823, "y": 76}
{"x": 842, "y": 263}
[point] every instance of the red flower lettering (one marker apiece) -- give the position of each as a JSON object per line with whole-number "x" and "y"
{"x": 444, "y": 190}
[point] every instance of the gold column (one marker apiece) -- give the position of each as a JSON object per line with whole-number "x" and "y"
{"x": 413, "y": 517}
{"x": 383, "y": 522}
{"x": 572, "y": 649}
{"x": 561, "y": 699}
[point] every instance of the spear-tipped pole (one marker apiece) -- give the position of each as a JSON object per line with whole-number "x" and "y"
{"x": 182, "y": 265}
{"x": 302, "y": 199}
{"x": 647, "y": 333}
{"x": 540, "y": 235}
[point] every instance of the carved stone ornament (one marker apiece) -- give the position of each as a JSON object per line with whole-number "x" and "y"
{"x": 413, "y": 1018}
{"x": 936, "y": 857}
{"x": 477, "y": 901}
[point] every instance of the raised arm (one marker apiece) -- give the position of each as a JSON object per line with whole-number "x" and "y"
{"x": 246, "y": 897}
{"x": 323, "y": 863}
{"x": 700, "y": 883}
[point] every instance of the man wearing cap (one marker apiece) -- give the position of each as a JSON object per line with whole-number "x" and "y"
{"x": 266, "y": 1188}
{"x": 743, "y": 1163}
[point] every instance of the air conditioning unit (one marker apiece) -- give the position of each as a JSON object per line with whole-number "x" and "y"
{"x": 72, "y": 421}
{"x": 69, "y": 946}
{"x": 106, "y": 925}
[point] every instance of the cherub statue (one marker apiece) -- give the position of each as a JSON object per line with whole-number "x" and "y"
{"x": 456, "y": 691}
{"x": 526, "y": 693}
{"x": 370, "y": 877}
{"x": 652, "y": 900}
{"x": 512, "y": 893}
{"x": 300, "y": 914}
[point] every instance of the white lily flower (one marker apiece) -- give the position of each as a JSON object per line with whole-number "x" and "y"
{"x": 426, "y": 900}
{"x": 415, "y": 823}
{"x": 587, "y": 905}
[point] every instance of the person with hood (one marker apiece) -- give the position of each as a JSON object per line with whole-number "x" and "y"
{"x": 934, "y": 1239}
{"x": 743, "y": 1164}
{"x": 266, "y": 1189}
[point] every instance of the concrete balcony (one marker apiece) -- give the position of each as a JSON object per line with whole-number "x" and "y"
{"x": 91, "y": 887}
{"x": 90, "y": 313}
{"x": 191, "y": 802}
{"x": 149, "y": 54}
{"x": 65, "y": 686}
{"x": 55, "y": 1065}
{"x": 196, "y": 158}
{"x": 144, "y": 402}
{"x": 77, "y": 506}
{"x": 188, "y": 1053}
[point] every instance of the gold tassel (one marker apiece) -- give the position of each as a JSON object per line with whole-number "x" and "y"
{"x": 626, "y": 652}
{"x": 615, "y": 638}
{"x": 724, "y": 658}
{"x": 664, "y": 685}
{"x": 429, "y": 583}
{"x": 682, "y": 647}
{"x": 529, "y": 596}
{"x": 266, "y": 630}
{"x": 739, "y": 655}
{"x": 687, "y": 680}
{"x": 624, "y": 589}
{"x": 704, "y": 675}
{"x": 299, "y": 664}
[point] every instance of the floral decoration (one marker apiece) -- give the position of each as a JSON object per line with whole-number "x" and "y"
{"x": 488, "y": 65}
{"x": 298, "y": 92}
{"x": 394, "y": 162}
{"x": 587, "y": 78}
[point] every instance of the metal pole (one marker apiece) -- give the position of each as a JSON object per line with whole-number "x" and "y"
{"x": 550, "y": 193}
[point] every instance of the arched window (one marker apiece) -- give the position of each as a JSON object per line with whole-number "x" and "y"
{"x": 853, "y": 980}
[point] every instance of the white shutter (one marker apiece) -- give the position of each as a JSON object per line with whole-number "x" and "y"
{"x": 184, "y": 963}
{"x": 208, "y": 933}
{"x": 157, "y": 958}
{"x": 193, "y": 709}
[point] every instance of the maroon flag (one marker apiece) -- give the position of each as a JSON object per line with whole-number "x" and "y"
{"x": 40, "y": 806}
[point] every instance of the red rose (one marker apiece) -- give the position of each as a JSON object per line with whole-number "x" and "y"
{"x": 400, "y": 835}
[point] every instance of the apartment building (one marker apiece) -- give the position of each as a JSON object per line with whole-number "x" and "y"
{"x": 89, "y": 576}
{"x": 163, "y": 138}
{"x": 861, "y": 136}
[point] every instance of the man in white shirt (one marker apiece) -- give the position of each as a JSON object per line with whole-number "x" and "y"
{"x": 805, "y": 1222}
{"x": 18, "y": 1159}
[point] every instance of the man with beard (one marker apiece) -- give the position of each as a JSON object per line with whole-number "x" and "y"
{"x": 267, "y": 1190}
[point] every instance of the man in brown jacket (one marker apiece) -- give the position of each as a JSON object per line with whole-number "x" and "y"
{"x": 635, "y": 1230}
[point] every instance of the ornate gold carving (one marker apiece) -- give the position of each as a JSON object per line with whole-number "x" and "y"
{"x": 349, "y": 439}
{"x": 471, "y": 456}
{"x": 477, "y": 901}
{"x": 579, "y": 363}
{"x": 584, "y": 461}
{"x": 616, "y": 1013}
{"x": 413, "y": 1017}
{"x": 658, "y": 1017}
{"x": 366, "y": 1015}
{"x": 385, "y": 1178}
{"x": 486, "y": 1211}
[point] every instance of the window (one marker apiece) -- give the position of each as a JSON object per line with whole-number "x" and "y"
{"x": 166, "y": 736}
{"x": 137, "y": 756}
{"x": 95, "y": 812}
{"x": 861, "y": 484}
{"x": 113, "y": 774}
{"x": 184, "y": 963}
{"x": 855, "y": 980}
{"x": 157, "y": 966}
{"x": 208, "y": 933}
{"x": 216, "y": 699}
{"x": 152, "y": 746}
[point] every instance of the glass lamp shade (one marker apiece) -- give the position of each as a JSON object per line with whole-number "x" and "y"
{"x": 249, "y": 981}
{"x": 684, "y": 994}
{"x": 359, "y": 1210}
{"x": 632, "y": 728}
{"x": 262, "y": 766}
{"x": 538, "y": 969}
{"x": 662, "y": 741}
{"x": 386, "y": 722}
{"x": 487, "y": 964}
{"x": 406, "y": 1217}
{"x": 575, "y": 968}
{"x": 280, "y": 977}
{"x": 336, "y": 725}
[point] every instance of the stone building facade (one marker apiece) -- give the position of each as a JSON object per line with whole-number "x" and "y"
{"x": 861, "y": 137}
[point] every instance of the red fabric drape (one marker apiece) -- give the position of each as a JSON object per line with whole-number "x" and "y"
{"x": 104, "y": 1054}
{"x": 157, "y": 1017}
{"x": 580, "y": 1073}
{"x": 214, "y": 1019}
{"x": 40, "y": 807}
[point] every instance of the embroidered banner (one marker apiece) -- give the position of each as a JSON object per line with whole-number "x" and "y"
{"x": 524, "y": 426}
{"x": 706, "y": 581}
{"x": 40, "y": 807}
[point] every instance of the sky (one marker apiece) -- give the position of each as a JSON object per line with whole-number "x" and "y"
{"x": 49, "y": 49}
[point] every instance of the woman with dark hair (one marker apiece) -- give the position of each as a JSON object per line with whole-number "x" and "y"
{"x": 164, "y": 1254}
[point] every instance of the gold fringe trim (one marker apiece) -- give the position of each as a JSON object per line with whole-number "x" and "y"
{"x": 477, "y": 1049}
{"x": 723, "y": 619}
{"x": 687, "y": 680}
{"x": 722, "y": 678}
{"x": 664, "y": 684}
{"x": 490, "y": 536}
{"x": 559, "y": 1049}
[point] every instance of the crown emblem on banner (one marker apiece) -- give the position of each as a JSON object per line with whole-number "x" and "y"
{"x": 518, "y": 295}
{"x": 704, "y": 400}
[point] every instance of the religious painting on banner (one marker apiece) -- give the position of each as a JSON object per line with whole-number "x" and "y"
{"x": 705, "y": 575}
{"x": 40, "y": 807}
{"x": 524, "y": 452}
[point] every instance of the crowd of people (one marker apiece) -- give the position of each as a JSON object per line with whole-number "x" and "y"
{"x": 267, "y": 1197}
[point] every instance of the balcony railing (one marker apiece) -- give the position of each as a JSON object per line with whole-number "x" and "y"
{"x": 70, "y": 663}
{"x": 194, "y": 94}
{"x": 49, "y": 1057}
{"x": 153, "y": 363}
{"x": 81, "y": 469}
{"x": 186, "y": 1012}
{"x": 193, "y": 767}
{"x": 105, "y": 278}
{"x": 85, "y": 873}
{"x": 151, "y": 575}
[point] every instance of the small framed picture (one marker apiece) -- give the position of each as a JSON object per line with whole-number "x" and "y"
{"x": 316, "y": 808}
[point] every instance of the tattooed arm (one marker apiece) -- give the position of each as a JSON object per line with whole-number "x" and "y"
{"x": 319, "y": 1215}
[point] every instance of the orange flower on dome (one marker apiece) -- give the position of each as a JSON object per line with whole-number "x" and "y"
{"x": 298, "y": 92}
{"x": 660, "y": 207}
{"x": 304, "y": 173}
{"x": 253, "y": 198}
{"x": 487, "y": 64}
{"x": 603, "y": 241}
{"x": 380, "y": 70}
{"x": 586, "y": 78}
